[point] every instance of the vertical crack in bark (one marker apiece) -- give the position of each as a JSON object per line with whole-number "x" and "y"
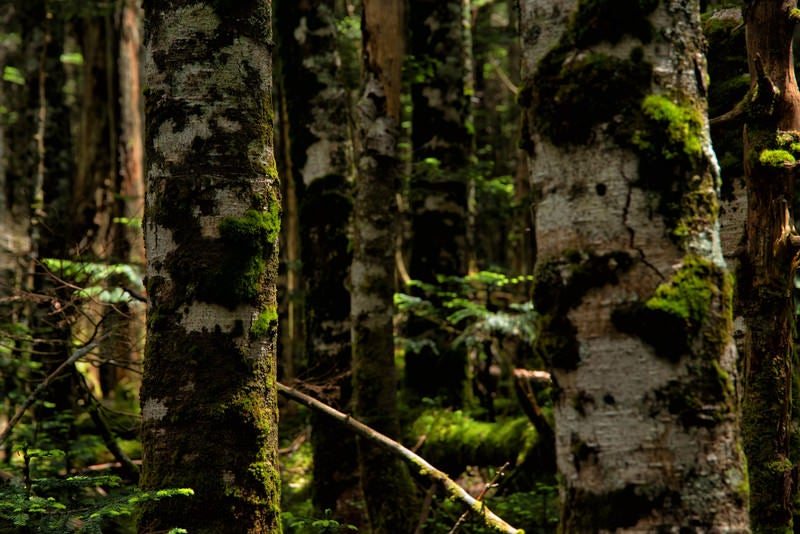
{"x": 631, "y": 231}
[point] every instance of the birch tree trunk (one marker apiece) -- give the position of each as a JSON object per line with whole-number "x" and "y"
{"x": 633, "y": 295}
{"x": 386, "y": 484}
{"x": 209, "y": 406}
{"x": 321, "y": 150}
{"x": 443, "y": 148}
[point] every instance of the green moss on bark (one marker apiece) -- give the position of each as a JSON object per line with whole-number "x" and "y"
{"x": 571, "y": 94}
{"x": 672, "y": 132}
{"x": 265, "y": 322}
{"x": 679, "y": 309}
{"x": 573, "y": 90}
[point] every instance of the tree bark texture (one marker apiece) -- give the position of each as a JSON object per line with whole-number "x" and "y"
{"x": 727, "y": 67}
{"x": 386, "y": 484}
{"x": 630, "y": 284}
{"x": 772, "y": 121}
{"x": 443, "y": 147}
{"x": 321, "y": 150}
{"x": 17, "y": 129}
{"x": 212, "y": 218}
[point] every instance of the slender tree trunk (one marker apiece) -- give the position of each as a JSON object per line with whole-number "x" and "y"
{"x": 126, "y": 322}
{"x": 209, "y": 406}
{"x": 51, "y": 232}
{"x": 631, "y": 288}
{"x": 322, "y": 164}
{"x": 443, "y": 148}
{"x": 766, "y": 272}
{"x": 386, "y": 484}
{"x": 17, "y": 130}
{"x": 108, "y": 186}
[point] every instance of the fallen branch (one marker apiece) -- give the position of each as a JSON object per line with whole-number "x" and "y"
{"x": 422, "y": 466}
{"x": 486, "y": 487}
{"x": 78, "y": 354}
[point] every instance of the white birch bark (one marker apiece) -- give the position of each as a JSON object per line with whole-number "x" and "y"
{"x": 630, "y": 457}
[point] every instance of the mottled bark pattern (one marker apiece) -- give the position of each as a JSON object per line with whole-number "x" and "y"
{"x": 208, "y": 398}
{"x": 631, "y": 288}
{"x": 766, "y": 272}
{"x": 442, "y": 119}
{"x": 385, "y": 482}
{"x": 322, "y": 164}
{"x": 443, "y": 147}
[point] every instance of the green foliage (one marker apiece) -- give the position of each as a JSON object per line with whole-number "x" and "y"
{"x": 13, "y": 75}
{"x": 325, "y": 525}
{"x": 534, "y": 511}
{"x": 41, "y": 500}
{"x": 72, "y": 58}
{"x": 455, "y": 440}
{"x": 468, "y": 307}
{"x": 100, "y": 282}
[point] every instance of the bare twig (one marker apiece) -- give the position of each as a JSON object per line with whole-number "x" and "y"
{"x": 480, "y": 497}
{"x": 423, "y": 467}
{"x": 299, "y": 440}
{"x": 107, "y": 435}
{"x": 426, "y": 509}
{"x": 504, "y": 78}
{"x": 78, "y": 354}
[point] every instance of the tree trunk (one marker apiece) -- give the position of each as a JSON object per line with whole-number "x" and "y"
{"x": 321, "y": 162}
{"x": 630, "y": 284}
{"x": 766, "y": 272}
{"x": 443, "y": 148}
{"x": 212, "y": 218}
{"x": 386, "y": 484}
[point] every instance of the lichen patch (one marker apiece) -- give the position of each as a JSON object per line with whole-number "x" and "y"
{"x": 154, "y": 410}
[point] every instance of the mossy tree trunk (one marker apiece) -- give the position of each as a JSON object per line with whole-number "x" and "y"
{"x": 727, "y": 67}
{"x": 387, "y": 487}
{"x": 443, "y": 147}
{"x": 633, "y": 295}
{"x": 321, "y": 151}
{"x": 772, "y": 122}
{"x": 209, "y": 404}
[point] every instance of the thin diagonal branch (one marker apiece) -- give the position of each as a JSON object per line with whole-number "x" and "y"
{"x": 422, "y": 466}
{"x": 78, "y": 354}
